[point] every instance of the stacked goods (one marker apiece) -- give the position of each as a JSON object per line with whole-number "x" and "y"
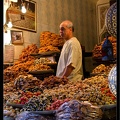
{"x": 18, "y": 92}
{"x": 25, "y": 55}
{"x": 32, "y": 84}
{"x": 94, "y": 90}
{"x": 47, "y": 38}
{"x": 97, "y": 51}
{"x": 114, "y": 43}
{"x": 43, "y": 61}
{"x": 50, "y": 42}
{"x": 53, "y": 81}
{"x": 89, "y": 90}
{"x": 12, "y": 72}
{"x": 48, "y": 48}
{"x": 103, "y": 68}
{"x": 22, "y": 82}
{"x": 75, "y": 110}
{"x": 22, "y": 65}
{"x": 33, "y": 116}
{"x": 35, "y": 67}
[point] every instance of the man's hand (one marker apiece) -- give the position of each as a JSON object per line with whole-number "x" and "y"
{"x": 68, "y": 70}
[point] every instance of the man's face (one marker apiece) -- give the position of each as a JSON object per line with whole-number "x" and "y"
{"x": 64, "y": 31}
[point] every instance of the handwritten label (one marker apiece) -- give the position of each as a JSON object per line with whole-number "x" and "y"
{"x": 8, "y": 54}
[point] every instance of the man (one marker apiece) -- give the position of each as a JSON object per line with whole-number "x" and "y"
{"x": 70, "y": 61}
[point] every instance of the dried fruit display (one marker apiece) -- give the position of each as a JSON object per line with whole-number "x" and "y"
{"x": 53, "y": 81}
{"x": 48, "y": 48}
{"x": 35, "y": 67}
{"x": 25, "y": 55}
{"x": 10, "y": 111}
{"x": 103, "y": 68}
{"x": 37, "y": 103}
{"x": 22, "y": 82}
{"x": 43, "y": 61}
{"x": 22, "y": 64}
{"x": 56, "y": 104}
{"x": 48, "y": 38}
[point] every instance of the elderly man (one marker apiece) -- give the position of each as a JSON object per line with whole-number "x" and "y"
{"x": 70, "y": 61}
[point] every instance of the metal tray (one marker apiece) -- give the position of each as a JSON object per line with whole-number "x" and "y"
{"x": 51, "y": 112}
{"x": 49, "y": 53}
{"x": 15, "y": 105}
{"x": 107, "y": 107}
{"x": 41, "y": 71}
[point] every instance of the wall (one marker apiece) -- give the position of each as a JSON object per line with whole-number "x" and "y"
{"x": 50, "y": 13}
{"x": 82, "y": 12}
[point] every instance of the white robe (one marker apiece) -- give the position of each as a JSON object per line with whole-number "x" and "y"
{"x": 71, "y": 53}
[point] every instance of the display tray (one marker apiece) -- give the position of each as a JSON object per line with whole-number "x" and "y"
{"x": 51, "y": 112}
{"x": 6, "y": 81}
{"x": 15, "y": 105}
{"x": 49, "y": 53}
{"x": 107, "y": 107}
{"x": 51, "y": 63}
{"x": 111, "y": 20}
{"x": 99, "y": 59}
{"x": 112, "y": 78}
{"x": 94, "y": 74}
{"x": 41, "y": 71}
{"x": 109, "y": 112}
{"x": 8, "y": 118}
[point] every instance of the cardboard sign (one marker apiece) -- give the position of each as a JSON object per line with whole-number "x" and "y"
{"x": 8, "y": 53}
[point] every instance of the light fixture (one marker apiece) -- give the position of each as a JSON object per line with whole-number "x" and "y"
{"x": 9, "y": 24}
{"x": 23, "y": 9}
{"x": 14, "y": 0}
{"x": 5, "y": 28}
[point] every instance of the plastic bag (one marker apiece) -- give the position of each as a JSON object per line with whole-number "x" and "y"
{"x": 29, "y": 116}
{"x": 75, "y": 110}
{"x": 107, "y": 50}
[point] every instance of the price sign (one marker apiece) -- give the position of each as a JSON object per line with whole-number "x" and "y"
{"x": 8, "y": 54}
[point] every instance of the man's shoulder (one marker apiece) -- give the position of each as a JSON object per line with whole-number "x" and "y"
{"x": 75, "y": 41}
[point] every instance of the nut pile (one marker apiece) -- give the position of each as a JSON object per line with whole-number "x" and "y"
{"x": 103, "y": 68}
{"x": 25, "y": 55}
{"x": 53, "y": 81}
{"x": 22, "y": 82}
{"x": 43, "y": 61}
{"x": 36, "y": 67}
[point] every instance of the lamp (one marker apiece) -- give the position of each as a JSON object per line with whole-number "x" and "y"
{"x": 14, "y": 0}
{"x": 5, "y": 28}
{"x": 9, "y": 24}
{"x": 23, "y": 9}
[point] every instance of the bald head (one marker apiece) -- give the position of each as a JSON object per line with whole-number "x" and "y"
{"x": 66, "y": 29}
{"x": 68, "y": 24}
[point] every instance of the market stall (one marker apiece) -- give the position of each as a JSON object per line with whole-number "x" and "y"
{"x": 48, "y": 97}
